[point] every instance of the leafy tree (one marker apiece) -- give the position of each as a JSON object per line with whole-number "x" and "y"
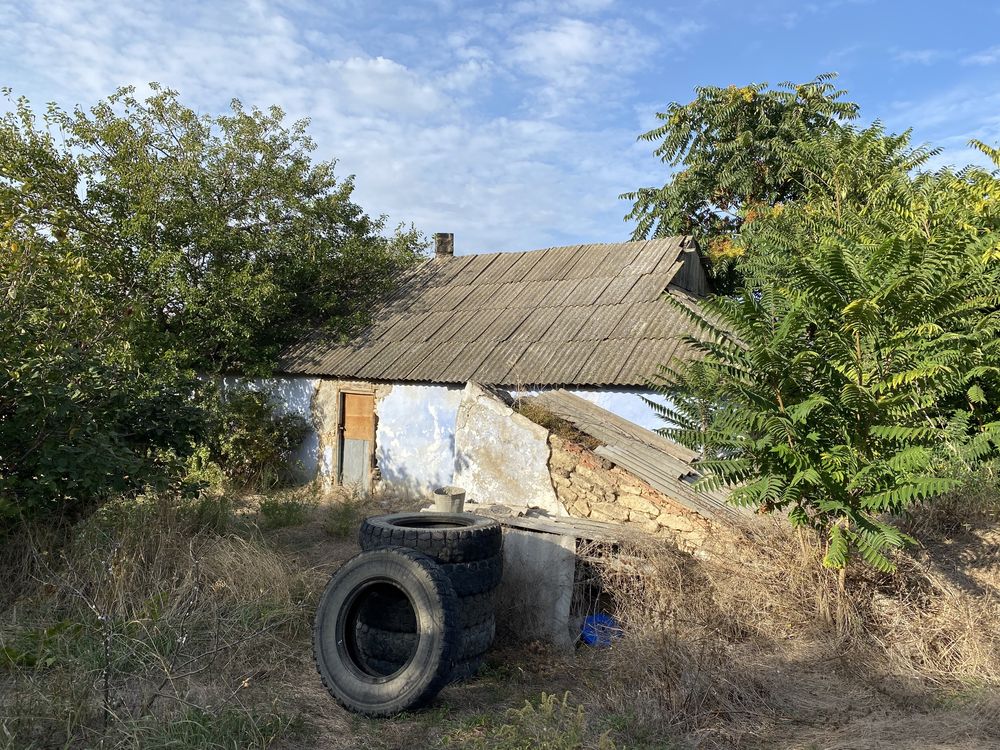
{"x": 82, "y": 417}
{"x": 219, "y": 235}
{"x": 863, "y": 354}
{"x": 732, "y": 150}
{"x": 144, "y": 249}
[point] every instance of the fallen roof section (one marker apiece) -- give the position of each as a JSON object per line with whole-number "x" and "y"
{"x": 578, "y": 315}
{"x": 661, "y": 463}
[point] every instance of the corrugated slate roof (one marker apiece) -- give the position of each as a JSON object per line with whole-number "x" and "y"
{"x": 577, "y": 315}
{"x": 661, "y": 463}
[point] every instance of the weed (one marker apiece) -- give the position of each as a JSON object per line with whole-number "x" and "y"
{"x": 138, "y": 618}
{"x": 197, "y": 728}
{"x": 343, "y": 517}
{"x": 554, "y": 424}
{"x": 278, "y": 510}
{"x": 548, "y": 724}
{"x": 208, "y": 512}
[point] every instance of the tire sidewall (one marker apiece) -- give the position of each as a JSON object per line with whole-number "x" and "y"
{"x": 337, "y": 657}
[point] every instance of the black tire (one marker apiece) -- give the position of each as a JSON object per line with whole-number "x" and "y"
{"x": 464, "y": 670}
{"x": 396, "y": 648}
{"x": 480, "y": 577}
{"x": 445, "y": 537}
{"x": 477, "y": 608}
{"x": 353, "y": 682}
{"x": 393, "y": 614}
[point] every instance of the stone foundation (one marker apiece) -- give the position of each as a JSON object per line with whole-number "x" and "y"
{"x": 590, "y": 486}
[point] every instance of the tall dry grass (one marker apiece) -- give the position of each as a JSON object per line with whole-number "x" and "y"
{"x": 755, "y": 634}
{"x": 149, "y": 628}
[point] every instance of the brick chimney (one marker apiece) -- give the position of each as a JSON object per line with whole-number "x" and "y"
{"x": 444, "y": 245}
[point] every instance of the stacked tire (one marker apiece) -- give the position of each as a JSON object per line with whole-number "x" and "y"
{"x": 410, "y": 614}
{"x": 469, "y": 550}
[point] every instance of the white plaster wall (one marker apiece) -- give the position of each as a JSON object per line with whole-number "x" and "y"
{"x": 501, "y": 456}
{"x": 294, "y": 396}
{"x": 415, "y": 437}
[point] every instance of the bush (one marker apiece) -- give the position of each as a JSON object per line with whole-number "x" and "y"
{"x": 82, "y": 417}
{"x": 252, "y": 441}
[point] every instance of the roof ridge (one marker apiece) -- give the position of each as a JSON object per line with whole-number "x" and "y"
{"x": 683, "y": 241}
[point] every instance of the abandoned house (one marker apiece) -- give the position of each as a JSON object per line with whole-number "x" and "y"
{"x": 421, "y": 398}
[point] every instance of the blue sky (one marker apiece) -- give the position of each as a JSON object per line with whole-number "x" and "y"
{"x": 513, "y": 124}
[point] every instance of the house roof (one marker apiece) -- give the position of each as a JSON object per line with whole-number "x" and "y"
{"x": 584, "y": 315}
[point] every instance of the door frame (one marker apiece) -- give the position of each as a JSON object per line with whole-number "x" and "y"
{"x": 341, "y": 415}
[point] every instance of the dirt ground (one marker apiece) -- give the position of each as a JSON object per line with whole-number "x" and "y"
{"x": 820, "y": 703}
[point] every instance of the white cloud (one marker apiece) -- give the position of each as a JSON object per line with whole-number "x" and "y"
{"x": 563, "y": 48}
{"x": 381, "y": 85}
{"x": 984, "y": 57}
{"x": 548, "y": 7}
{"x": 579, "y": 61}
{"x": 415, "y": 127}
{"x": 919, "y": 56}
{"x": 950, "y": 119}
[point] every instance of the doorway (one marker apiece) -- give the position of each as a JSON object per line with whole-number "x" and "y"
{"x": 357, "y": 440}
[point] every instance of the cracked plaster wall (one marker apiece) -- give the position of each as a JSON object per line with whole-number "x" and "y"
{"x": 500, "y": 455}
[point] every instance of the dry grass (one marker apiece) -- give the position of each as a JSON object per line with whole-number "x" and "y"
{"x": 529, "y": 408}
{"x": 755, "y": 639}
{"x": 187, "y": 627}
{"x": 144, "y": 631}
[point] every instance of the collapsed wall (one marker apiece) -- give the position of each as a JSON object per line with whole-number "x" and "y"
{"x": 590, "y": 486}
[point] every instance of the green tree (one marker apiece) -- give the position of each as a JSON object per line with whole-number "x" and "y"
{"x": 145, "y": 249}
{"x": 220, "y": 235}
{"x": 731, "y": 154}
{"x": 82, "y": 417}
{"x": 862, "y": 357}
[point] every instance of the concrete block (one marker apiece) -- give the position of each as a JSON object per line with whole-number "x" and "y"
{"x": 534, "y": 598}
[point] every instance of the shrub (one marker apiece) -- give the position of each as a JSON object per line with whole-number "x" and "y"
{"x": 252, "y": 441}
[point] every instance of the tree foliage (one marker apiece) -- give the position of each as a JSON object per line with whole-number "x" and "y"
{"x": 220, "y": 235}
{"x": 732, "y": 154}
{"x": 861, "y": 359}
{"x": 144, "y": 249}
{"x": 82, "y": 416}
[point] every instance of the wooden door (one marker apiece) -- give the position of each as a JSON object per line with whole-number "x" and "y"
{"x": 357, "y": 437}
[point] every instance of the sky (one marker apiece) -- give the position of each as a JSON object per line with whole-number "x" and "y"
{"x": 513, "y": 125}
